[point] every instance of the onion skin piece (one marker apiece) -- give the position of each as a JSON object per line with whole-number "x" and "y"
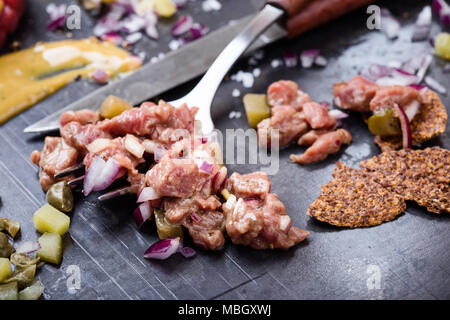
{"x": 404, "y": 124}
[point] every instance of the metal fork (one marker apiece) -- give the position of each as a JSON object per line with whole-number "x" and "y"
{"x": 203, "y": 93}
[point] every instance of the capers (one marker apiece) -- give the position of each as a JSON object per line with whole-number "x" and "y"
{"x": 60, "y": 196}
{"x": 384, "y": 123}
{"x": 165, "y": 229}
{"x": 6, "y": 249}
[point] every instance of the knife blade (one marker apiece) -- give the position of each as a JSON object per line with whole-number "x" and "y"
{"x": 176, "y": 68}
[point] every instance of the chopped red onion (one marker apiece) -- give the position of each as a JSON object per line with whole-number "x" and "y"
{"x": 219, "y": 180}
{"x": 337, "y": 114}
{"x": 325, "y": 104}
{"x": 321, "y": 61}
{"x": 424, "y": 65}
{"x": 389, "y": 24}
{"x": 159, "y": 153}
{"x": 179, "y": 3}
{"x": 285, "y": 223}
{"x": 107, "y": 176}
{"x": 147, "y": 194}
{"x": 57, "y": 16}
{"x": 183, "y": 25}
{"x": 206, "y": 167}
{"x": 28, "y": 247}
{"x": 399, "y": 77}
{"x": 195, "y": 217}
{"x": 187, "y": 252}
{"x": 163, "y": 249}
{"x": 133, "y": 38}
{"x": 105, "y": 25}
{"x": 422, "y": 26}
{"x": 416, "y": 86}
{"x": 112, "y": 37}
{"x": 290, "y": 59}
{"x": 443, "y": 10}
{"x": 404, "y": 124}
{"x": 143, "y": 213}
{"x": 413, "y": 64}
{"x": 134, "y": 146}
{"x": 435, "y": 85}
{"x": 100, "y": 76}
{"x": 412, "y": 109}
{"x": 376, "y": 71}
{"x": 100, "y": 175}
{"x": 307, "y": 57}
{"x": 133, "y": 23}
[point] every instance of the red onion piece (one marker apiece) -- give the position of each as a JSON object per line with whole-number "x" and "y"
{"x": 28, "y": 247}
{"x": 376, "y": 71}
{"x": 147, "y": 194}
{"x": 57, "y": 16}
{"x": 389, "y": 24}
{"x": 422, "y": 26}
{"x": 412, "y": 109}
{"x": 321, "y": 61}
{"x": 179, "y": 3}
{"x": 285, "y": 223}
{"x": 187, "y": 252}
{"x": 206, "y": 167}
{"x": 133, "y": 23}
{"x": 133, "y": 38}
{"x": 424, "y": 65}
{"x": 435, "y": 85}
{"x": 404, "y": 124}
{"x": 220, "y": 179}
{"x": 325, "y": 104}
{"x": 159, "y": 153}
{"x": 100, "y": 76}
{"x": 307, "y": 57}
{"x": 163, "y": 249}
{"x": 183, "y": 25}
{"x": 195, "y": 217}
{"x": 143, "y": 213}
{"x": 416, "y": 86}
{"x": 112, "y": 37}
{"x": 443, "y": 10}
{"x": 290, "y": 59}
{"x": 107, "y": 176}
{"x": 337, "y": 114}
{"x": 100, "y": 175}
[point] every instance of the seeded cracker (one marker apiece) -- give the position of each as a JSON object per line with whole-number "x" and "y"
{"x": 422, "y": 176}
{"x": 352, "y": 199}
{"x": 428, "y": 123}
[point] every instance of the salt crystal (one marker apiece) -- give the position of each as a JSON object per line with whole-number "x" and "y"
{"x": 275, "y": 63}
{"x": 236, "y": 93}
{"x": 174, "y": 44}
{"x": 211, "y": 5}
{"x": 256, "y": 72}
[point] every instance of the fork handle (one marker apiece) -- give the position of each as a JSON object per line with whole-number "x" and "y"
{"x": 291, "y": 7}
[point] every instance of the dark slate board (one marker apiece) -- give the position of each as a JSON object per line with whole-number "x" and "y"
{"x": 409, "y": 256}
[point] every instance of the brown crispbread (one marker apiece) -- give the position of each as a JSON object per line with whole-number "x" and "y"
{"x": 353, "y": 199}
{"x": 422, "y": 176}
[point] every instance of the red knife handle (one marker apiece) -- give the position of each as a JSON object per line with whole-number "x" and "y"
{"x": 292, "y": 7}
{"x": 319, "y": 12}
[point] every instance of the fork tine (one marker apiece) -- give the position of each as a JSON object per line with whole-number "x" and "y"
{"x": 114, "y": 193}
{"x": 76, "y": 181}
{"x": 69, "y": 170}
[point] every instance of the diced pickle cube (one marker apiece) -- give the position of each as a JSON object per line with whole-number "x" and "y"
{"x": 9, "y": 291}
{"x": 256, "y": 108}
{"x": 51, "y": 248}
{"x": 33, "y": 292}
{"x": 165, "y": 8}
{"x": 113, "y": 106}
{"x": 5, "y": 269}
{"x": 50, "y": 219}
{"x": 384, "y": 124}
{"x": 165, "y": 229}
{"x": 442, "y": 45}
